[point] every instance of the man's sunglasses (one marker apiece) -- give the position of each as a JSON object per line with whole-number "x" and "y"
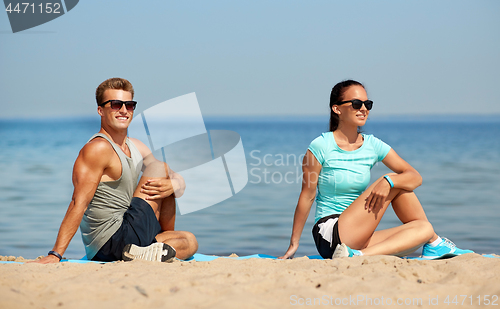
{"x": 356, "y": 104}
{"x": 117, "y": 104}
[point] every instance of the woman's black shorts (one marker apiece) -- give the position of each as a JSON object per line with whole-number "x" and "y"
{"x": 326, "y": 235}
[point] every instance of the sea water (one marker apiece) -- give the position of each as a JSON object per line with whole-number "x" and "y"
{"x": 458, "y": 158}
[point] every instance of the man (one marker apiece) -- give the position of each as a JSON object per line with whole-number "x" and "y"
{"x": 118, "y": 217}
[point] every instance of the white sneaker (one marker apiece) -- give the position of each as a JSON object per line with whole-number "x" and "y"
{"x": 157, "y": 252}
{"x": 341, "y": 251}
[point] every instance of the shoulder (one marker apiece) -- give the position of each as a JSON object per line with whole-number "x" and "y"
{"x": 370, "y": 138}
{"x": 96, "y": 150}
{"x": 94, "y": 158}
{"x": 320, "y": 146}
{"x": 376, "y": 145}
{"x": 322, "y": 142}
{"x": 323, "y": 139}
{"x": 143, "y": 149}
{"x": 98, "y": 145}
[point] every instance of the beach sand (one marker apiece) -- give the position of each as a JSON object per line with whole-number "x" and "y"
{"x": 358, "y": 282}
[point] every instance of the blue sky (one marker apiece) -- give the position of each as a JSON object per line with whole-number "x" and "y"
{"x": 248, "y": 58}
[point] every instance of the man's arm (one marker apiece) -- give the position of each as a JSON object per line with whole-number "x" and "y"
{"x": 87, "y": 172}
{"x": 164, "y": 181}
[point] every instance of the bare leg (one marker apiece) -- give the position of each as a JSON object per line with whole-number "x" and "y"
{"x": 357, "y": 225}
{"x": 408, "y": 208}
{"x": 184, "y": 243}
{"x": 167, "y": 214}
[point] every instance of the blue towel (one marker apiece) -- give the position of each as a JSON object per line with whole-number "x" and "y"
{"x": 199, "y": 257}
{"x": 205, "y": 258}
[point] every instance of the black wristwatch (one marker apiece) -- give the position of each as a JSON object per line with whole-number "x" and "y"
{"x": 57, "y": 255}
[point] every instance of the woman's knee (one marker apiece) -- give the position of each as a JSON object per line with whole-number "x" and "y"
{"x": 426, "y": 230}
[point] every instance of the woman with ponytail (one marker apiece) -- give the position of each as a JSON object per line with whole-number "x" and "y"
{"x": 337, "y": 165}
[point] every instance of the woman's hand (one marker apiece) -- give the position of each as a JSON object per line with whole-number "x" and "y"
{"x": 157, "y": 188}
{"x": 290, "y": 252}
{"x": 46, "y": 260}
{"x": 377, "y": 197}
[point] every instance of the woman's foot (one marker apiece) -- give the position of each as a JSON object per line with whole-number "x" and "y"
{"x": 445, "y": 248}
{"x": 343, "y": 250}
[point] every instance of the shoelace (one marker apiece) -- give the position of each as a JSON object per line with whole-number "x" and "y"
{"x": 448, "y": 243}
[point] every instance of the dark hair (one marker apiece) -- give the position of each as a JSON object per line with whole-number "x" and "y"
{"x": 337, "y": 96}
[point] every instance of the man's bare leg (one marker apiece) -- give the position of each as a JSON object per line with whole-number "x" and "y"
{"x": 184, "y": 243}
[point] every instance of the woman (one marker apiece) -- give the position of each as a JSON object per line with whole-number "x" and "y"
{"x": 338, "y": 164}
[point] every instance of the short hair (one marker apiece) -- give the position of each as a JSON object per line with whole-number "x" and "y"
{"x": 113, "y": 83}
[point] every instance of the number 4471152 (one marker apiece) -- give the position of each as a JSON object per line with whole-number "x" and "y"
{"x": 470, "y": 300}
{"x": 50, "y": 8}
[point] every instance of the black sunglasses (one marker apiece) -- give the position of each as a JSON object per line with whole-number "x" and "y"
{"x": 117, "y": 104}
{"x": 356, "y": 104}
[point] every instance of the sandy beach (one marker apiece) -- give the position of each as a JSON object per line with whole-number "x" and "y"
{"x": 358, "y": 282}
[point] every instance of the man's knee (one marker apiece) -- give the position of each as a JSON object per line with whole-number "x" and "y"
{"x": 190, "y": 242}
{"x": 155, "y": 170}
{"x": 191, "y": 239}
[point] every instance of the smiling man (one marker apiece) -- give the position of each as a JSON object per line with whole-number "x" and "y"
{"x": 120, "y": 216}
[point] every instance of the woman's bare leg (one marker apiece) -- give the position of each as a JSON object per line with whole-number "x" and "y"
{"x": 357, "y": 225}
{"x": 408, "y": 209}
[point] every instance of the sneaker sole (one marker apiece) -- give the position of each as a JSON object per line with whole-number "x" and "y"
{"x": 157, "y": 252}
{"x": 440, "y": 257}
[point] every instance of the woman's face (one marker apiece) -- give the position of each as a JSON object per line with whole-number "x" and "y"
{"x": 347, "y": 113}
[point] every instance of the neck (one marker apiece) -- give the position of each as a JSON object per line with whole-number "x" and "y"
{"x": 347, "y": 133}
{"x": 118, "y": 137}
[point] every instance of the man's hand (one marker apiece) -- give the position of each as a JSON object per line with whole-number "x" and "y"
{"x": 47, "y": 260}
{"x": 157, "y": 188}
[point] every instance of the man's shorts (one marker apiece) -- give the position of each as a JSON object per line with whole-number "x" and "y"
{"x": 326, "y": 235}
{"x": 139, "y": 227}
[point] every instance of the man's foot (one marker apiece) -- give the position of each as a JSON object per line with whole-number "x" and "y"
{"x": 445, "y": 249}
{"x": 343, "y": 250}
{"x": 157, "y": 252}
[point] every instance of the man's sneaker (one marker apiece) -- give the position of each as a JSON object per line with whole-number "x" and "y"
{"x": 343, "y": 250}
{"x": 445, "y": 249}
{"x": 157, "y": 252}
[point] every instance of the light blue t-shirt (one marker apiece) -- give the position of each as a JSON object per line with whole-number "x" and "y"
{"x": 345, "y": 174}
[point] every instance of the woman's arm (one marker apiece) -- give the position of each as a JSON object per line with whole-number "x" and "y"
{"x": 406, "y": 178}
{"x": 311, "y": 169}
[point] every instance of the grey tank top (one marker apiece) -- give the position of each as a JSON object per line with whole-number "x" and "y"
{"x": 104, "y": 214}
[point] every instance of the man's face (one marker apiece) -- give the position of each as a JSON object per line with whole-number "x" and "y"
{"x": 115, "y": 119}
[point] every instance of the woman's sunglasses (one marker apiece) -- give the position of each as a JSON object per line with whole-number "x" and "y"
{"x": 356, "y": 104}
{"x": 117, "y": 104}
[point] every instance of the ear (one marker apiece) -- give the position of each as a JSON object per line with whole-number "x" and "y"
{"x": 99, "y": 110}
{"x": 336, "y": 110}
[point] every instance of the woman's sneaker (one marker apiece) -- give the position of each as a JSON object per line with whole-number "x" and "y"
{"x": 445, "y": 249}
{"x": 157, "y": 252}
{"x": 343, "y": 250}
